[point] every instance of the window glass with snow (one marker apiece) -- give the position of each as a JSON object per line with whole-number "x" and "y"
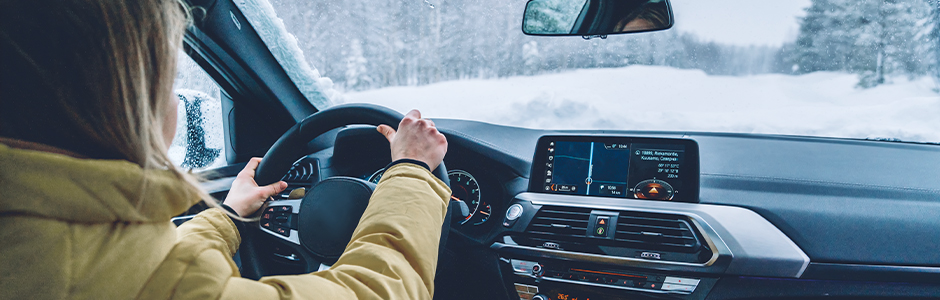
{"x": 867, "y": 69}
{"x": 198, "y": 144}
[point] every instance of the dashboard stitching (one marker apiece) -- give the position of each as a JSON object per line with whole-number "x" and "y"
{"x": 933, "y": 191}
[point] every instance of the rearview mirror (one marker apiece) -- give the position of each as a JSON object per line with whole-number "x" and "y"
{"x": 595, "y": 17}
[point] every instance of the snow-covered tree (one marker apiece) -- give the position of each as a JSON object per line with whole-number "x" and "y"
{"x": 357, "y": 73}
{"x": 874, "y": 38}
{"x": 530, "y": 54}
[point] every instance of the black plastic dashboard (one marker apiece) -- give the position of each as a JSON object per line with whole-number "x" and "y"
{"x": 776, "y": 216}
{"x": 859, "y": 210}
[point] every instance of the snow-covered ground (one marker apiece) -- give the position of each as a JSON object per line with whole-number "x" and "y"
{"x": 663, "y": 98}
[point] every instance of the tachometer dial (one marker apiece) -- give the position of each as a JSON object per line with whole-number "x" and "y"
{"x": 482, "y": 214}
{"x": 467, "y": 190}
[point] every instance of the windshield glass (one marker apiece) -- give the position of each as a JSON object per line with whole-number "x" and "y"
{"x": 835, "y": 68}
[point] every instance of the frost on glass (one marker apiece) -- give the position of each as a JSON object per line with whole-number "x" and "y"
{"x": 283, "y": 45}
{"x": 551, "y": 16}
{"x": 198, "y": 143}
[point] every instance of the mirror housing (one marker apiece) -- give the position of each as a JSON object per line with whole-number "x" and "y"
{"x": 595, "y": 17}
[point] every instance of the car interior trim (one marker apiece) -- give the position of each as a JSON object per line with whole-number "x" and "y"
{"x": 752, "y": 243}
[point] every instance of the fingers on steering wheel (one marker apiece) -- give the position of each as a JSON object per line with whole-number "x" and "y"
{"x": 414, "y": 114}
{"x": 252, "y": 166}
{"x": 387, "y": 131}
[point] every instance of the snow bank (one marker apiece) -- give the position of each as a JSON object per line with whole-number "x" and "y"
{"x": 663, "y": 98}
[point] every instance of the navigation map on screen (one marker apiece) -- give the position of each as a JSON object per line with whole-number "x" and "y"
{"x": 614, "y": 167}
{"x": 591, "y": 168}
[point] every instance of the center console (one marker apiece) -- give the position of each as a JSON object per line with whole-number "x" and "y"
{"x": 612, "y": 217}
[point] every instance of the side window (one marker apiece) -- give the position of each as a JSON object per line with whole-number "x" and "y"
{"x": 198, "y": 144}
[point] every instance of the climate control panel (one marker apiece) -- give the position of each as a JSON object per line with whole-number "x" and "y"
{"x": 647, "y": 282}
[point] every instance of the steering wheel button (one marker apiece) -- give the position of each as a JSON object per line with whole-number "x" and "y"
{"x": 283, "y": 208}
{"x": 282, "y": 231}
{"x": 266, "y": 225}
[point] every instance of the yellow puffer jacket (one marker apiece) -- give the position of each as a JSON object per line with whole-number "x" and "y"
{"x": 81, "y": 229}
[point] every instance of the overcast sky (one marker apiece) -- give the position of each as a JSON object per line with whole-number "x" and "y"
{"x": 740, "y": 22}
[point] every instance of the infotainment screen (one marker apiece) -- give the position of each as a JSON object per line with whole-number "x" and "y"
{"x": 621, "y": 167}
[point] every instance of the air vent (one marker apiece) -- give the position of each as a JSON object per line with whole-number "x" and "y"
{"x": 303, "y": 171}
{"x": 656, "y": 231}
{"x": 672, "y": 237}
{"x": 560, "y": 222}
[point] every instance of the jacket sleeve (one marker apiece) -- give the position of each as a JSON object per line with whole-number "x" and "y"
{"x": 392, "y": 253}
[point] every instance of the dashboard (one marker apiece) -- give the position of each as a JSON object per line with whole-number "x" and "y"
{"x": 664, "y": 215}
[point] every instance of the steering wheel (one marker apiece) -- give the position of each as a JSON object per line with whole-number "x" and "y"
{"x": 319, "y": 226}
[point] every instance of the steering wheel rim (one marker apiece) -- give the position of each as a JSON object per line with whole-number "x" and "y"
{"x": 293, "y": 144}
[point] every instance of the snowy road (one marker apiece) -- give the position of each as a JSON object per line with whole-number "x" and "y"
{"x": 663, "y": 98}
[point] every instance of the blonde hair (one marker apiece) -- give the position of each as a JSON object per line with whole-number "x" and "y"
{"x": 94, "y": 77}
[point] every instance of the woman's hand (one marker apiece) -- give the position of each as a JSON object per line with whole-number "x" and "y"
{"x": 246, "y": 197}
{"x": 416, "y": 139}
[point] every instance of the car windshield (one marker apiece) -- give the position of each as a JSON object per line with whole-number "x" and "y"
{"x": 864, "y": 69}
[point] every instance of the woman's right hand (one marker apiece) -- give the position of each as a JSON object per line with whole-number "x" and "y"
{"x": 416, "y": 139}
{"x": 246, "y": 197}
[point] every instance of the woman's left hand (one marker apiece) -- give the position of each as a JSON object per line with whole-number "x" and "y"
{"x": 246, "y": 197}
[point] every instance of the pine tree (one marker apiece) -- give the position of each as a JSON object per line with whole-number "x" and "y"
{"x": 357, "y": 74}
{"x": 533, "y": 61}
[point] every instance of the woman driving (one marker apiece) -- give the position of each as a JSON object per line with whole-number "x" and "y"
{"x": 87, "y": 189}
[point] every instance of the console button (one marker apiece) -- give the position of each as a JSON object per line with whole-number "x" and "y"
{"x": 624, "y": 282}
{"x": 677, "y": 287}
{"x": 514, "y": 212}
{"x": 601, "y": 225}
{"x": 522, "y": 266}
{"x": 682, "y": 281}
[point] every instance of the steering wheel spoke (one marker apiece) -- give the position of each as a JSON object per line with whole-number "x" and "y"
{"x": 280, "y": 219}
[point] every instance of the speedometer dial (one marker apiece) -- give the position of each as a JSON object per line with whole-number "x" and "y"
{"x": 467, "y": 190}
